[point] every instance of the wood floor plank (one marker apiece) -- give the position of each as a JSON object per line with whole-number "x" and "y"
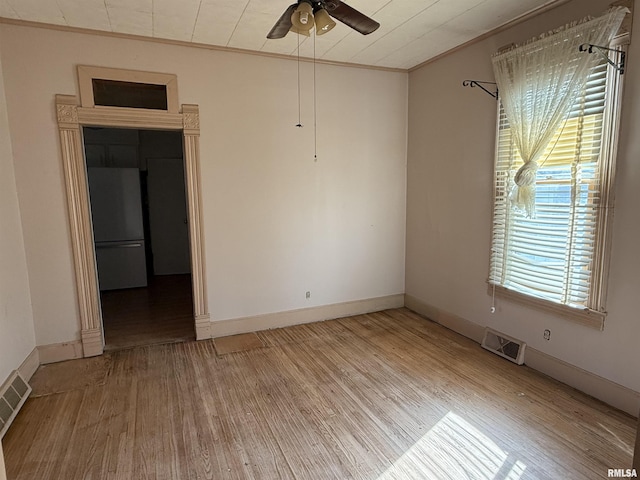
{"x": 382, "y": 396}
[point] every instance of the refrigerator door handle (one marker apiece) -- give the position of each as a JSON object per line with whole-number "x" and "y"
{"x": 119, "y": 245}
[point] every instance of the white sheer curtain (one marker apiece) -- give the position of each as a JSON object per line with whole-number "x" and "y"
{"x": 538, "y": 82}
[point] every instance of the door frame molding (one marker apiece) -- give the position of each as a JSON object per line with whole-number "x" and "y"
{"x": 71, "y": 118}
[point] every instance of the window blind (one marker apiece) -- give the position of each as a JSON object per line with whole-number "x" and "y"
{"x": 552, "y": 255}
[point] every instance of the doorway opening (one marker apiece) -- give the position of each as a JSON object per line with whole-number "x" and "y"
{"x": 138, "y": 203}
{"x": 73, "y": 114}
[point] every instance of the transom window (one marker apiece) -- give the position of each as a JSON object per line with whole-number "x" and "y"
{"x": 120, "y": 88}
{"x": 113, "y": 93}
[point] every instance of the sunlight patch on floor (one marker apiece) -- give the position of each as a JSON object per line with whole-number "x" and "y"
{"x": 454, "y": 449}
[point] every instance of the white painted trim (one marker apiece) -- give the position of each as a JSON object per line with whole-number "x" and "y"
{"x": 91, "y": 342}
{"x": 59, "y": 352}
{"x": 71, "y": 118}
{"x": 30, "y": 365}
{"x": 453, "y": 322}
{"x": 288, "y": 318}
{"x": 203, "y": 327}
{"x": 86, "y": 74}
{"x": 510, "y": 24}
{"x": 601, "y": 388}
{"x": 204, "y": 46}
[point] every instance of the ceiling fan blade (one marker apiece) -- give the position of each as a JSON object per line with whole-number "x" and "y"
{"x": 351, "y": 17}
{"x": 282, "y": 26}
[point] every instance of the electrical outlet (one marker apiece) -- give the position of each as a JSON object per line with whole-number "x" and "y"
{"x": 308, "y": 294}
{"x": 547, "y": 334}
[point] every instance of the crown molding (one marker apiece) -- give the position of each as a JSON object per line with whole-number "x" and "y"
{"x": 182, "y": 43}
{"x": 512, "y": 23}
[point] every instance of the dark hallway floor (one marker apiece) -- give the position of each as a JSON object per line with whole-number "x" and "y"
{"x": 162, "y": 312}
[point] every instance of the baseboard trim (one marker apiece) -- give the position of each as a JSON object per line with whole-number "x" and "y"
{"x": 203, "y": 327}
{"x": 288, "y": 318}
{"x": 59, "y": 352}
{"x": 91, "y": 342}
{"x": 30, "y": 365}
{"x": 599, "y": 387}
{"x": 453, "y": 322}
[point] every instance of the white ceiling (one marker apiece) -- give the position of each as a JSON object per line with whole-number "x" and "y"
{"x": 411, "y": 32}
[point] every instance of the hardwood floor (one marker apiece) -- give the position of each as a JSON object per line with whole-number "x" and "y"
{"x": 159, "y": 313}
{"x": 381, "y": 396}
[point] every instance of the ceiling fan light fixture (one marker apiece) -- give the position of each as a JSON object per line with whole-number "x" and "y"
{"x": 299, "y": 17}
{"x": 302, "y": 17}
{"x": 299, "y": 31}
{"x": 323, "y": 21}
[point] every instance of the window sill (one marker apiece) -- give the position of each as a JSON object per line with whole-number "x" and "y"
{"x": 586, "y": 317}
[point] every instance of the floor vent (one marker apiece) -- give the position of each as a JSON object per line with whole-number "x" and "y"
{"x": 505, "y": 346}
{"x": 13, "y": 394}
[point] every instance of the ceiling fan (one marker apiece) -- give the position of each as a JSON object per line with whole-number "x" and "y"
{"x": 301, "y": 17}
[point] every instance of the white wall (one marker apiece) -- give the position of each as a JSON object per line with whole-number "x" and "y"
{"x": 277, "y": 224}
{"x": 450, "y": 161}
{"x": 17, "y": 338}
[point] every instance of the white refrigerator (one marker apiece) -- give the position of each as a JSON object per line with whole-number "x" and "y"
{"x": 118, "y": 229}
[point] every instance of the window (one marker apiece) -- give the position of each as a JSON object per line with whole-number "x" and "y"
{"x": 117, "y": 87}
{"x": 558, "y": 259}
{"x": 112, "y": 93}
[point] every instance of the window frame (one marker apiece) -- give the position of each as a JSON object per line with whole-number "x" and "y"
{"x": 595, "y": 315}
{"x": 86, "y": 74}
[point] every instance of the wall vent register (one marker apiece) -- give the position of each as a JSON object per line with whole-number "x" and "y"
{"x": 505, "y": 346}
{"x": 13, "y": 394}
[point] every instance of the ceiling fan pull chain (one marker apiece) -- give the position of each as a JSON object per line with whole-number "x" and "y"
{"x": 315, "y": 116}
{"x": 299, "y": 124}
